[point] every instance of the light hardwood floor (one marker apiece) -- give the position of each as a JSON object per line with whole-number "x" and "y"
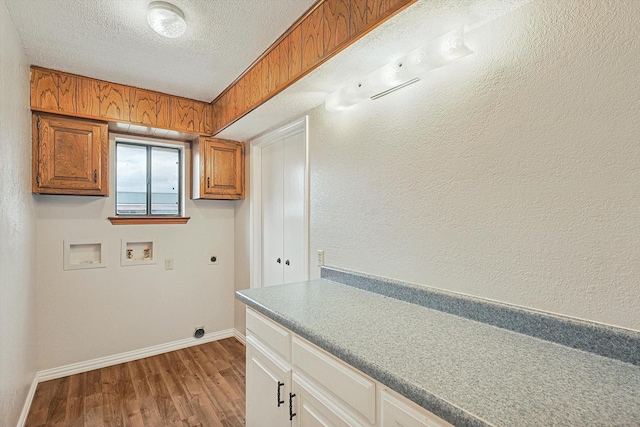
{"x": 201, "y": 386}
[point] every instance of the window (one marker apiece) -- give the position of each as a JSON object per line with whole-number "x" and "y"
{"x": 148, "y": 180}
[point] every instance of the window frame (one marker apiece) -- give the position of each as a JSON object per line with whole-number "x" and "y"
{"x": 148, "y": 145}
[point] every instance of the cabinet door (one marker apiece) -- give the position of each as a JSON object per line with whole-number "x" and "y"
{"x": 223, "y": 169}
{"x": 71, "y": 156}
{"x": 273, "y": 214}
{"x": 283, "y": 180}
{"x": 268, "y": 387}
{"x": 294, "y": 209}
{"x": 312, "y": 408}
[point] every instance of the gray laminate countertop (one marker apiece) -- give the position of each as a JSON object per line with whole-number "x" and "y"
{"x": 468, "y": 373}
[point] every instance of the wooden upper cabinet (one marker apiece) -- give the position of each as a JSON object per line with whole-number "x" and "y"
{"x": 114, "y": 101}
{"x": 336, "y": 24}
{"x": 312, "y": 38}
{"x": 181, "y": 114}
{"x": 70, "y": 156}
{"x": 143, "y": 105}
{"x": 218, "y": 169}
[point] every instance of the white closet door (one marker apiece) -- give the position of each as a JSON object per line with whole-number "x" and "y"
{"x": 294, "y": 209}
{"x": 272, "y": 214}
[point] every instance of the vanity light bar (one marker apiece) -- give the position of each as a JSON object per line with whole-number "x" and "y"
{"x": 393, "y": 89}
{"x": 401, "y": 73}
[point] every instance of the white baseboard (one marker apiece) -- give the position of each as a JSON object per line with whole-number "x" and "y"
{"x": 27, "y": 403}
{"x": 102, "y": 362}
{"x": 239, "y": 336}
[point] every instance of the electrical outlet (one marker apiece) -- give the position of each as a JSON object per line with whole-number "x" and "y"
{"x": 213, "y": 260}
{"x": 320, "y": 257}
{"x": 168, "y": 263}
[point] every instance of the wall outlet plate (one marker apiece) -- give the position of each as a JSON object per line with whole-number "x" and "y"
{"x": 320, "y": 257}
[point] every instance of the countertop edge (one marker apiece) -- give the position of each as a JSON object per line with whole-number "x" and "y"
{"x": 429, "y": 401}
{"x": 605, "y": 340}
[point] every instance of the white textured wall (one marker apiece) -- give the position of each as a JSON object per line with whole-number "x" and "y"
{"x": 243, "y": 245}
{"x": 18, "y": 345}
{"x": 513, "y": 174}
{"x": 86, "y": 314}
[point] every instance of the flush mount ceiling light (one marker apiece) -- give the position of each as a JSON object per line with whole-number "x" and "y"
{"x": 401, "y": 73}
{"x": 166, "y": 19}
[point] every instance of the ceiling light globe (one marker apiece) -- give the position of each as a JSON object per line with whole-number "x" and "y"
{"x": 166, "y": 19}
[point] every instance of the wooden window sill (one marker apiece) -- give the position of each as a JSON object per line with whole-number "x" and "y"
{"x": 135, "y": 220}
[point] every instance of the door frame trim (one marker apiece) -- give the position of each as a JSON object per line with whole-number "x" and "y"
{"x": 255, "y": 211}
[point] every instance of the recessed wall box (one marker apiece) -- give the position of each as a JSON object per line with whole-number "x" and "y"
{"x": 137, "y": 252}
{"x": 84, "y": 254}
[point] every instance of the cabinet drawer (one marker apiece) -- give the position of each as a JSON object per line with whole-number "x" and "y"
{"x": 343, "y": 381}
{"x": 397, "y": 411}
{"x": 276, "y": 337}
{"x": 314, "y": 408}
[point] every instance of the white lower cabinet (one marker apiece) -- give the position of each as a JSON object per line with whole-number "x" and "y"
{"x": 268, "y": 386}
{"x": 293, "y": 383}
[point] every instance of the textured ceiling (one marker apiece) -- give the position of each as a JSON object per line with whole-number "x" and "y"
{"x": 111, "y": 40}
{"x": 412, "y": 28}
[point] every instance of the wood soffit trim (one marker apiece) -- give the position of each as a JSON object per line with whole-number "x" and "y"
{"x": 38, "y": 67}
{"x": 273, "y": 45}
